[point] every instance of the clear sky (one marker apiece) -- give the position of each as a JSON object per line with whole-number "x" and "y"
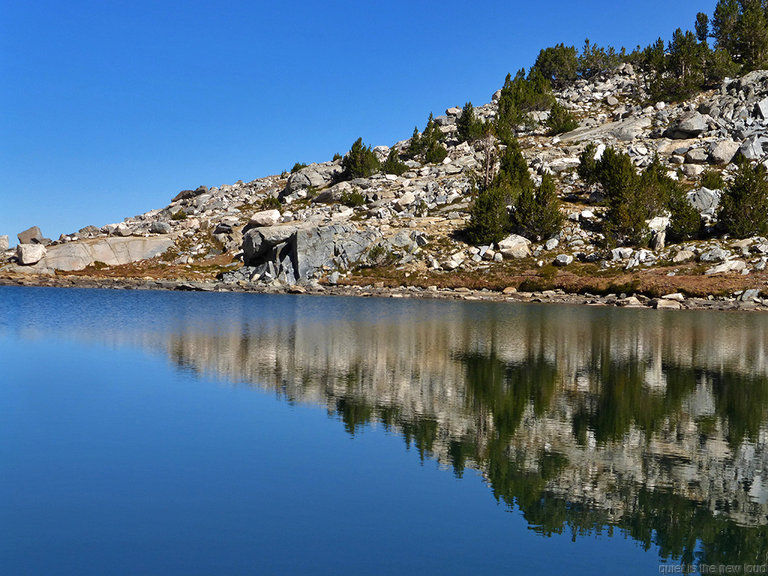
{"x": 109, "y": 108}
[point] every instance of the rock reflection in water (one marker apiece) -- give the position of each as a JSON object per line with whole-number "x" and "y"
{"x": 584, "y": 419}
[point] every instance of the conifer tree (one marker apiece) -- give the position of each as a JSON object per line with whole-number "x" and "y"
{"x": 744, "y": 205}
{"x": 360, "y": 161}
{"x": 468, "y": 127}
{"x": 537, "y": 213}
{"x": 393, "y": 165}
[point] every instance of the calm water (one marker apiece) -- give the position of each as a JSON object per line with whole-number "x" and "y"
{"x": 173, "y": 433}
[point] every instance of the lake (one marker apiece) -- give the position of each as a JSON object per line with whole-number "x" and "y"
{"x": 185, "y": 433}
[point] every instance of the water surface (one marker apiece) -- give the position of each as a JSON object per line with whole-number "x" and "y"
{"x": 175, "y": 433}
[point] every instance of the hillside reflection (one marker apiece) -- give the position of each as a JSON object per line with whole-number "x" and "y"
{"x": 586, "y": 420}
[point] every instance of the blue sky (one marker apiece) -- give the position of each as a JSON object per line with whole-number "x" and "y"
{"x": 109, "y": 108}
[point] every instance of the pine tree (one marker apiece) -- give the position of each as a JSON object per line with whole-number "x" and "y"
{"x": 360, "y": 161}
{"x": 468, "y": 127}
{"x": 488, "y": 216}
{"x": 415, "y": 146}
{"x": 744, "y": 205}
{"x": 560, "y": 120}
{"x": 537, "y": 211}
{"x": 558, "y": 64}
{"x": 751, "y": 43}
{"x": 393, "y": 165}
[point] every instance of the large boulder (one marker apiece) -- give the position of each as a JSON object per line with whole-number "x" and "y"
{"x": 30, "y": 236}
{"x": 186, "y": 194}
{"x": 722, "y": 152}
{"x": 752, "y": 148}
{"x": 515, "y": 246}
{"x": 292, "y": 252}
{"x": 264, "y": 218}
{"x": 3, "y": 242}
{"x": 690, "y": 125}
{"x": 29, "y": 254}
{"x": 314, "y": 175}
{"x": 159, "y": 227}
{"x": 110, "y": 251}
{"x": 705, "y": 200}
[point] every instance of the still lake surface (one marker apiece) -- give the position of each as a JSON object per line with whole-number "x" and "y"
{"x": 185, "y": 433}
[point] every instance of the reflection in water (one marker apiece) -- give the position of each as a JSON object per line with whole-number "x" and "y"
{"x": 585, "y": 419}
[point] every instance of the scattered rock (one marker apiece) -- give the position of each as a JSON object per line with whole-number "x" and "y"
{"x": 563, "y": 260}
{"x": 30, "y": 236}
{"x": 515, "y": 246}
{"x": 728, "y": 266}
{"x": 722, "y": 152}
{"x": 29, "y": 254}
{"x": 662, "y": 304}
{"x": 264, "y": 218}
{"x": 689, "y": 125}
{"x": 158, "y": 227}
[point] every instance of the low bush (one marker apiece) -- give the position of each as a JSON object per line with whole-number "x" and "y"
{"x": 712, "y": 179}
{"x": 560, "y": 120}
{"x": 393, "y": 164}
{"x": 352, "y": 199}
{"x": 744, "y": 204}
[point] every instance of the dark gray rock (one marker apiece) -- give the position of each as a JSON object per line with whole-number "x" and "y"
{"x": 30, "y": 236}
{"x": 186, "y": 194}
{"x": 689, "y": 125}
{"x": 159, "y": 227}
{"x": 89, "y": 231}
{"x": 761, "y": 109}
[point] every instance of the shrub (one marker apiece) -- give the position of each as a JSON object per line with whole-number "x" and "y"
{"x": 360, "y": 162}
{"x": 179, "y": 215}
{"x": 519, "y": 97}
{"x": 489, "y": 218}
{"x": 436, "y": 153}
{"x": 352, "y": 199}
{"x": 558, "y": 64}
{"x": 537, "y": 212}
{"x": 595, "y": 59}
{"x": 336, "y": 156}
{"x": 468, "y": 127}
{"x": 712, "y": 179}
{"x": 414, "y": 146}
{"x": 744, "y": 204}
{"x": 393, "y": 165}
{"x": 298, "y": 166}
{"x": 513, "y": 170}
{"x": 685, "y": 220}
{"x": 587, "y": 169}
{"x": 270, "y": 203}
{"x": 560, "y": 120}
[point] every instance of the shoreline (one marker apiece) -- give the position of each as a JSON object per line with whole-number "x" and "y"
{"x": 558, "y": 296}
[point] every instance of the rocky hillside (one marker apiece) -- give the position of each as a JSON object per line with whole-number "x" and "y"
{"x": 310, "y": 228}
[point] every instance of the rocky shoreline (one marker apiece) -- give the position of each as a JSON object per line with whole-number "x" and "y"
{"x": 748, "y": 300}
{"x": 404, "y": 235}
